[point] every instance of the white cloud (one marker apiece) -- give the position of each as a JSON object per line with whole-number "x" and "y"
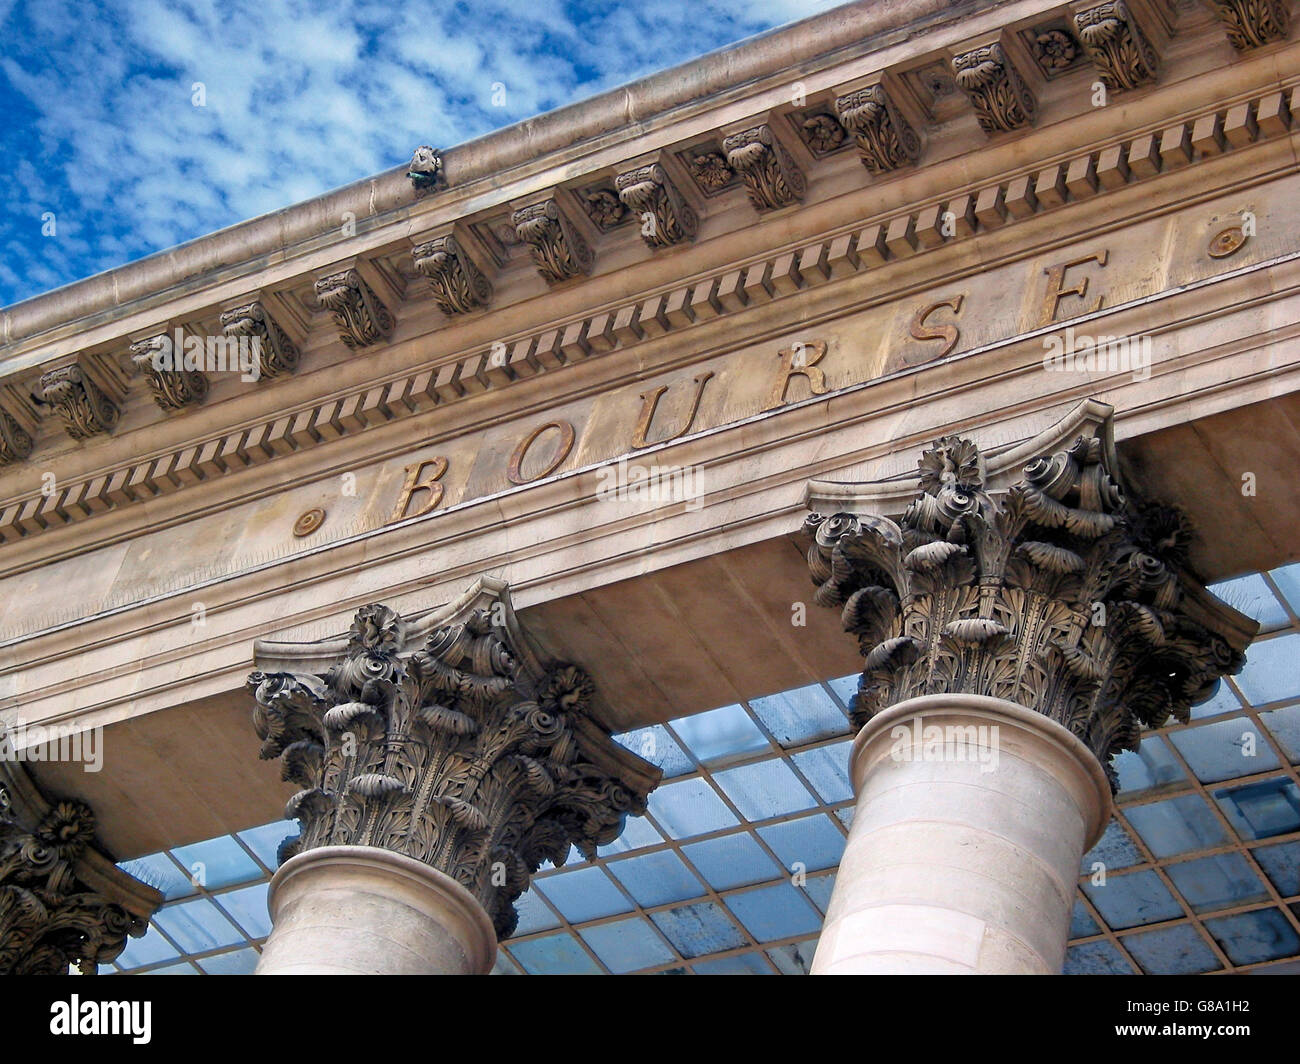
{"x": 301, "y": 96}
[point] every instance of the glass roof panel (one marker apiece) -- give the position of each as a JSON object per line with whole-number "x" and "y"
{"x": 1177, "y": 825}
{"x": 801, "y": 716}
{"x": 732, "y": 861}
{"x": 721, "y": 736}
{"x": 764, "y": 790}
{"x": 583, "y": 894}
{"x": 1270, "y": 673}
{"x": 810, "y": 844}
{"x": 690, "y": 807}
{"x": 657, "y": 878}
{"x": 626, "y": 945}
{"x": 1132, "y": 899}
{"x": 775, "y": 912}
{"x": 699, "y": 929}
{"x": 1224, "y": 750}
{"x": 1217, "y": 882}
{"x": 1171, "y": 951}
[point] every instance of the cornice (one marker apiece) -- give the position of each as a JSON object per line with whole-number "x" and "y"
{"x": 905, "y": 41}
{"x": 1135, "y": 156}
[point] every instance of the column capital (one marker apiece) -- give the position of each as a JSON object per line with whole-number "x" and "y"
{"x": 446, "y": 738}
{"x": 1030, "y": 575}
{"x": 62, "y": 902}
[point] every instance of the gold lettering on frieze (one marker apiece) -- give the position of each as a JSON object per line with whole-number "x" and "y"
{"x": 1056, "y": 290}
{"x": 413, "y": 483}
{"x": 514, "y": 470}
{"x": 800, "y": 358}
{"x": 919, "y": 329}
{"x": 650, "y": 403}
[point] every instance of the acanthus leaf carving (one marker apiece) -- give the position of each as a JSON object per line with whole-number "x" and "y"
{"x": 459, "y": 287}
{"x": 666, "y": 218}
{"x": 51, "y": 918}
{"x": 278, "y": 354}
{"x": 1253, "y": 23}
{"x": 1002, "y": 100}
{"x": 85, "y": 410}
{"x": 173, "y": 386}
{"x": 15, "y": 442}
{"x": 1115, "y": 43}
{"x": 559, "y": 251}
{"x": 771, "y": 176}
{"x": 452, "y": 748}
{"x": 1059, "y": 593}
{"x": 886, "y": 140}
{"x": 360, "y": 315}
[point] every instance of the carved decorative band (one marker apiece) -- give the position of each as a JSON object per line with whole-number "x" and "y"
{"x": 726, "y": 292}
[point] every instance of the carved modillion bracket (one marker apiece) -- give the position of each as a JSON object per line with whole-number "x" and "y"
{"x": 993, "y": 78}
{"x": 252, "y": 320}
{"x": 361, "y": 317}
{"x": 871, "y": 113}
{"x": 85, "y": 394}
{"x": 18, "y": 419}
{"x": 458, "y": 285}
{"x": 1120, "y": 50}
{"x": 662, "y": 213}
{"x": 1253, "y": 23}
{"x": 772, "y": 177}
{"x": 162, "y": 363}
{"x": 550, "y": 230}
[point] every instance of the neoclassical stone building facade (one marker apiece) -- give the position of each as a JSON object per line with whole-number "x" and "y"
{"x": 526, "y": 507}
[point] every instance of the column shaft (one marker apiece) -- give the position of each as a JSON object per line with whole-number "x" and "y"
{"x": 973, "y": 814}
{"x": 362, "y": 910}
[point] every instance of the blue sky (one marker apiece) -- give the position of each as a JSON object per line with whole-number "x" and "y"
{"x": 100, "y": 123}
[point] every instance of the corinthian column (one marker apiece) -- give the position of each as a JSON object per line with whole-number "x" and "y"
{"x": 1022, "y": 618}
{"x": 440, "y": 762}
{"x": 62, "y": 903}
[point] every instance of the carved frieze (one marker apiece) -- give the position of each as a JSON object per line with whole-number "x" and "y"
{"x": 15, "y": 442}
{"x": 458, "y": 285}
{"x": 452, "y": 744}
{"x": 360, "y": 315}
{"x": 559, "y": 251}
{"x": 279, "y": 355}
{"x": 666, "y": 218}
{"x": 1060, "y": 593}
{"x": 771, "y": 176}
{"x": 1001, "y": 99}
{"x": 1253, "y": 23}
{"x": 425, "y": 172}
{"x": 55, "y": 908}
{"x": 1115, "y": 43}
{"x": 886, "y": 140}
{"x": 173, "y": 386}
{"x": 83, "y": 407}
